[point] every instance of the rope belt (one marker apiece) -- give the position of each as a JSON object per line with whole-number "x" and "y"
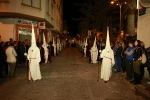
{"x": 32, "y": 58}
{"x": 108, "y": 58}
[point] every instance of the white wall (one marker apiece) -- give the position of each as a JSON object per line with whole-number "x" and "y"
{"x": 143, "y": 30}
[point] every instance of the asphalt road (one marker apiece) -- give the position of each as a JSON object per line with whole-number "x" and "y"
{"x": 69, "y": 77}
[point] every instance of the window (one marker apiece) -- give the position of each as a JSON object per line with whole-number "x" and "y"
{"x": 36, "y": 3}
{"x": 52, "y": 10}
{"x": 28, "y": 2}
{"x": 47, "y": 7}
{"x": 32, "y": 3}
{"x": 4, "y": 1}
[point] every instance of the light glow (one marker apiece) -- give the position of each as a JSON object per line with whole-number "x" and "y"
{"x": 112, "y": 2}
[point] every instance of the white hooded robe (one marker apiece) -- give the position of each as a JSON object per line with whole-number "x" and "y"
{"x": 85, "y": 48}
{"x": 45, "y": 49}
{"x": 94, "y": 52}
{"x": 108, "y": 60}
{"x": 34, "y": 59}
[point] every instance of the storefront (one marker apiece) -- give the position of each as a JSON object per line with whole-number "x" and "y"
{"x": 24, "y": 32}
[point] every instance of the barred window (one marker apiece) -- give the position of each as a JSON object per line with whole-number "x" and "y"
{"x": 32, "y": 3}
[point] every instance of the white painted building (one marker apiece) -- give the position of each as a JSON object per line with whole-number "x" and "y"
{"x": 143, "y": 28}
{"x": 16, "y": 16}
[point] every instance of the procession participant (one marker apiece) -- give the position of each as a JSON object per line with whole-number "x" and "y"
{"x": 54, "y": 45}
{"x": 34, "y": 60}
{"x": 58, "y": 45}
{"x": 85, "y": 48}
{"x": 108, "y": 60}
{"x": 51, "y": 48}
{"x": 42, "y": 53}
{"x": 94, "y": 52}
{"x": 49, "y": 53}
{"x": 45, "y": 49}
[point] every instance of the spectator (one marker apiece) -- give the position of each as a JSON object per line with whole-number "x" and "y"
{"x": 22, "y": 51}
{"x": 11, "y": 40}
{"x": 0, "y": 39}
{"x": 11, "y": 59}
{"x": 115, "y": 50}
{"x": 1, "y": 60}
{"x": 5, "y": 58}
{"x": 123, "y": 55}
{"x": 142, "y": 64}
{"x": 137, "y": 62}
{"x": 129, "y": 61}
{"x": 118, "y": 56}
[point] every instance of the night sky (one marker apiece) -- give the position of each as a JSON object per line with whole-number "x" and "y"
{"x": 70, "y": 11}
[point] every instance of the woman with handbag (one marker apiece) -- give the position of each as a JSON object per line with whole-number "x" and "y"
{"x": 137, "y": 62}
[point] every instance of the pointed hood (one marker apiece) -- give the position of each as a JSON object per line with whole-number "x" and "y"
{"x": 44, "y": 39}
{"x": 94, "y": 45}
{"x": 53, "y": 41}
{"x": 44, "y": 42}
{"x": 58, "y": 42}
{"x": 33, "y": 41}
{"x": 85, "y": 42}
{"x": 107, "y": 47}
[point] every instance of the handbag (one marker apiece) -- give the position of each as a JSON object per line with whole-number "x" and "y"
{"x": 143, "y": 60}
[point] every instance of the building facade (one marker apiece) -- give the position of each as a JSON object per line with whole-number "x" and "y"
{"x": 143, "y": 30}
{"x": 16, "y": 17}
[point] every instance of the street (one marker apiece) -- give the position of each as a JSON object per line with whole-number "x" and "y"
{"x": 69, "y": 77}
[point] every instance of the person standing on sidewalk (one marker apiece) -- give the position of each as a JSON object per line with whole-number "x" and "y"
{"x": 129, "y": 61}
{"x": 137, "y": 62}
{"x": 2, "y": 54}
{"x": 11, "y": 60}
{"x": 118, "y": 56}
{"x": 123, "y": 55}
{"x": 143, "y": 64}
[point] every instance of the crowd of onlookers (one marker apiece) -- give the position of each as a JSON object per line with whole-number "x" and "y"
{"x": 131, "y": 58}
{"x": 12, "y": 54}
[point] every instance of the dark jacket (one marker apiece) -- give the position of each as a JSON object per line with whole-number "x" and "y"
{"x": 119, "y": 51}
{"x": 137, "y": 53}
{"x": 122, "y": 53}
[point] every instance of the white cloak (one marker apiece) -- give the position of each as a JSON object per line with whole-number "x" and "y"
{"x": 84, "y": 51}
{"x": 45, "y": 53}
{"x": 94, "y": 54}
{"x": 34, "y": 60}
{"x": 54, "y": 45}
{"x": 107, "y": 63}
{"x": 58, "y": 48}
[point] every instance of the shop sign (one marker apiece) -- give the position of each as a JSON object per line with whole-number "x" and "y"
{"x": 41, "y": 25}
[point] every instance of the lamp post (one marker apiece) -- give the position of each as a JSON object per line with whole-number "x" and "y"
{"x": 119, "y": 3}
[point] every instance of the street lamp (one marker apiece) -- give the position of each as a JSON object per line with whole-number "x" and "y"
{"x": 119, "y": 3}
